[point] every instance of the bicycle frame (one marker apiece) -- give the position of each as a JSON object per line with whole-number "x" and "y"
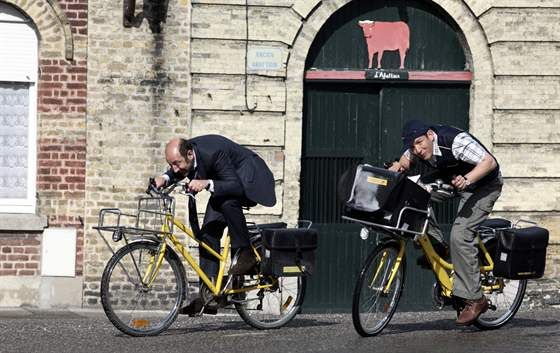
{"x": 440, "y": 267}
{"x": 215, "y": 288}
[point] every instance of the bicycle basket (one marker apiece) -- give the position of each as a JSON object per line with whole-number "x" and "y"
{"x": 387, "y": 198}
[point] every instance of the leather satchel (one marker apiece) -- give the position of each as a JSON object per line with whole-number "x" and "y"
{"x": 521, "y": 253}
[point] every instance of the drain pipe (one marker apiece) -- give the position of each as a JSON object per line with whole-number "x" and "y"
{"x": 250, "y": 110}
{"x": 128, "y": 13}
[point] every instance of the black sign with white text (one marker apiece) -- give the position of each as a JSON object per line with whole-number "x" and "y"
{"x": 387, "y": 75}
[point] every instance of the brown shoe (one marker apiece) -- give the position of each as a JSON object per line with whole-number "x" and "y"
{"x": 244, "y": 262}
{"x": 471, "y": 311}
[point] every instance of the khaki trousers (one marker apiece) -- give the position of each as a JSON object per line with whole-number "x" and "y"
{"x": 474, "y": 208}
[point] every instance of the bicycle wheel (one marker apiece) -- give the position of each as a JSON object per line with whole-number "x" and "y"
{"x": 137, "y": 308}
{"x": 372, "y": 307}
{"x": 505, "y": 301}
{"x": 269, "y": 308}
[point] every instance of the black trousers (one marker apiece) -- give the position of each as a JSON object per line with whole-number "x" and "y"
{"x": 223, "y": 212}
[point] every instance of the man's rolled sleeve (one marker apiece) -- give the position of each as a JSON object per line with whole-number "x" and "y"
{"x": 465, "y": 148}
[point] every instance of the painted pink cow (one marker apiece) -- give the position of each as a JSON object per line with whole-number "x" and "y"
{"x": 382, "y": 36}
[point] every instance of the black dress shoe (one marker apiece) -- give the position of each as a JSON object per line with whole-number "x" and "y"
{"x": 442, "y": 249}
{"x": 194, "y": 308}
{"x": 245, "y": 261}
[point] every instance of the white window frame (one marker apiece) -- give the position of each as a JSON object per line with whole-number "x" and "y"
{"x": 27, "y": 205}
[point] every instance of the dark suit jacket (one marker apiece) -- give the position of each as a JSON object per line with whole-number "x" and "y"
{"x": 235, "y": 170}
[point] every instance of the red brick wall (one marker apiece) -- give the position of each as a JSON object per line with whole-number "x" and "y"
{"x": 62, "y": 86}
{"x": 76, "y": 12}
{"x": 20, "y": 254}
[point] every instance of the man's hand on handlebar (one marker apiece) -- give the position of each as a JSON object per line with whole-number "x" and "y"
{"x": 159, "y": 182}
{"x": 393, "y": 165}
{"x": 396, "y": 167}
{"x": 460, "y": 182}
{"x": 197, "y": 185}
{"x": 152, "y": 189}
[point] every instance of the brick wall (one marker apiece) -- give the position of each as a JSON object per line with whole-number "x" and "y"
{"x": 138, "y": 97}
{"x": 62, "y": 86}
{"x": 62, "y": 98}
{"x": 20, "y": 254}
{"x": 61, "y": 135}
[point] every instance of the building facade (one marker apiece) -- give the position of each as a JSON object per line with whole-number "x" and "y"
{"x": 114, "y": 86}
{"x": 43, "y": 150}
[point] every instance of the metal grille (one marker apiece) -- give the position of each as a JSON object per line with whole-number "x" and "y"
{"x": 319, "y": 202}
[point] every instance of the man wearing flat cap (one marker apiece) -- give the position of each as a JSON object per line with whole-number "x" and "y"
{"x": 475, "y": 173}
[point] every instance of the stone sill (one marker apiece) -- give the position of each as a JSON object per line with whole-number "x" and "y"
{"x": 22, "y": 222}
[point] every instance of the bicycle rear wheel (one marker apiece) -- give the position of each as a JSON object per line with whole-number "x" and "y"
{"x": 133, "y": 304}
{"x": 372, "y": 307}
{"x": 269, "y": 308}
{"x": 506, "y": 301}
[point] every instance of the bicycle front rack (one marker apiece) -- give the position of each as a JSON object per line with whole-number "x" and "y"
{"x": 152, "y": 214}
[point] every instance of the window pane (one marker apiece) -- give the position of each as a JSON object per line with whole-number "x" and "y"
{"x": 14, "y": 129}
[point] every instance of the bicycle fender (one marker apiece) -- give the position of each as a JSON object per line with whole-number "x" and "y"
{"x": 389, "y": 242}
{"x": 156, "y": 241}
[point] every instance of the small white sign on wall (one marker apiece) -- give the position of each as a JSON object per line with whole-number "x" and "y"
{"x": 264, "y": 59}
{"x": 58, "y": 255}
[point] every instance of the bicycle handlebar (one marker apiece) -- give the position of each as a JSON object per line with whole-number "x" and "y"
{"x": 154, "y": 191}
{"x": 441, "y": 191}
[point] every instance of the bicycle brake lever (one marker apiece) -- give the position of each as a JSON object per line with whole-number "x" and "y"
{"x": 152, "y": 189}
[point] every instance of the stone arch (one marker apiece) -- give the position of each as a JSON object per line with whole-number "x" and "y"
{"x": 52, "y": 26}
{"x": 476, "y": 49}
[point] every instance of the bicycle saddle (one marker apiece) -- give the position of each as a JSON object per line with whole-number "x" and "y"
{"x": 276, "y": 225}
{"x": 495, "y": 223}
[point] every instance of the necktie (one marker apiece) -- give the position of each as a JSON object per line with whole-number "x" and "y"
{"x": 193, "y": 217}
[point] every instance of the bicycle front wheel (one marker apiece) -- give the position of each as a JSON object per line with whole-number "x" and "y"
{"x": 373, "y": 303}
{"x": 138, "y": 299}
{"x": 270, "y": 307}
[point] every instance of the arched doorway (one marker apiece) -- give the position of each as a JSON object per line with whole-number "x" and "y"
{"x": 353, "y": 114}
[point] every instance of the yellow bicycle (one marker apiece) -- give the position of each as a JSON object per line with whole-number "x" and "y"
{"x": 381, "y": 280}
{"x": 144, "y": 284}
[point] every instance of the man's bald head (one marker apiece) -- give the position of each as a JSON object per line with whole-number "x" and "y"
{"x": 179, "y": 155}
{"x": 172, "y": 149}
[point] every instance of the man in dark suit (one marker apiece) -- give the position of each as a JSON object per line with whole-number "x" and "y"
{"x": 236, "y": 177}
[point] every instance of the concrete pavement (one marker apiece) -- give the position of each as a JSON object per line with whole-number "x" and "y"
{"x": 86, "y": 330}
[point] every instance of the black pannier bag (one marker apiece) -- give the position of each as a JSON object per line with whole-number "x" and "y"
{"x": 288, "y": 252}
{"x": 378, "y": 195}
{"x": 521, "y": 253}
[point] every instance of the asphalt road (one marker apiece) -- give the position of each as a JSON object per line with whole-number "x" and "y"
{"x": 28, "y": 331}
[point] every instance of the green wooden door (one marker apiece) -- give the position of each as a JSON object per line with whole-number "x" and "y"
{"x": 353, "y": 123}
{"x": 340, "y": 121}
